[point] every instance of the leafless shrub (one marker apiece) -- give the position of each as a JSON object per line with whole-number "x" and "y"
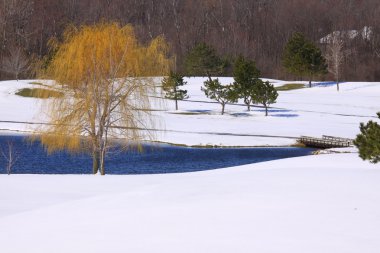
{"x": 16, "y": 62}
{"x": 10, "y": 155}
{"x": 335, "y": 57}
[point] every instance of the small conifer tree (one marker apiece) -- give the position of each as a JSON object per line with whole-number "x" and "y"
{"x": 246, "y": 76}
{"x": 223, "y": 94}
{"x": 171, "y": 86}
{"x": 368, "y": 141}
{"x": 265, "y": 94}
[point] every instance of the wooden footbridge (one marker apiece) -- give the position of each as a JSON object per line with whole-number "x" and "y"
{"x": 326, "y": 142}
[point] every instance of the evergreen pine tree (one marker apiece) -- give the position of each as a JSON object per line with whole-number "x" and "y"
{"x": 246, "y": 76}
{"x": 301, "y": 57}
{"x": 202, "y": 60}
{"x": 171, "y": 86}
{"x": 368, "y": 141}
{"x": 265, "y": 94}
{"x": 223, "y": 94}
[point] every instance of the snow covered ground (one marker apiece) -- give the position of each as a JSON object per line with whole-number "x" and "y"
{"x": 318, "y": 111}
{"x": 324, "y": 203}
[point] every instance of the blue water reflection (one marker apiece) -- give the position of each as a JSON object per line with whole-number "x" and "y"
{"x": 32, "y": 158}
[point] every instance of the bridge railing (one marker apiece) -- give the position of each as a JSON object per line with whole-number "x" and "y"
{"x": 326, "y": 142}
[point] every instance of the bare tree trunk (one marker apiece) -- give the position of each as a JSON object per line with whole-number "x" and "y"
{"x": 95, "y": 161}
{"x": 102, "y": 151}
{"x": 105, "y": 121}
{"x": 104, "y": 146}
{"x": 248, "y": 103}
{"x": 266, "y": 110}
{"x": 223, "y": 106}
{"x": 337, "y": 75}
{"x": 102, "y": 161}
{"x": 95, "y": 150}
{"x": 176, "y": 100}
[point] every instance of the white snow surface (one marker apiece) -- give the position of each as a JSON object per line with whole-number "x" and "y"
{"x": 324, "y": 203}
{"x": 316, "y": 111}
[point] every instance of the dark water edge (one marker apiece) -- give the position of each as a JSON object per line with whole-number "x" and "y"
{"x": 156, "y": 159}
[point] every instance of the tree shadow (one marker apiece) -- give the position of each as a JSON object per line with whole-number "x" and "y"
{"x": 276, "y": 110}
{"x": 325, "y": 84}
{"x": 284, "y": 115}
{"x": 193, "y": 112}
{"x": 241, "y": 114}
{"x": 280, "y": 113}
{"x": 199, "y": 111}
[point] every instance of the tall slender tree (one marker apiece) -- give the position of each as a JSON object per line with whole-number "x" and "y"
{"x": 335, "y": 57}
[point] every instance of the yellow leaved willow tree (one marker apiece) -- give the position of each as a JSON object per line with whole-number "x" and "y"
{"x": 107, "y": 78}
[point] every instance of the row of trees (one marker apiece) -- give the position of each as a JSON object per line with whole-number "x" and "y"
{"x": 256, "y": 29}
{"x": 247, "y": 84}
{"x": 259, "y": 92}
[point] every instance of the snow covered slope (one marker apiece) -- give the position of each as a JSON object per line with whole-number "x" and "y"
{"x": 325, "y": 203}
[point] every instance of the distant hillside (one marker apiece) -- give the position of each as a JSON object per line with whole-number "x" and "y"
{"x": 257, "y": 29}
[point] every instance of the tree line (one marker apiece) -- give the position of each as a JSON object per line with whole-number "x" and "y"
{"x": 256, "y": 29}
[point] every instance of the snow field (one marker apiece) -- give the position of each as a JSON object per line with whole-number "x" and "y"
{"x": 316, "y": 111}
{"x": 326, "y": 203}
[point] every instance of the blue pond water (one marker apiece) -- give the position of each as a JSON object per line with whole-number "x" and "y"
{"x": 32, "y": 158}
